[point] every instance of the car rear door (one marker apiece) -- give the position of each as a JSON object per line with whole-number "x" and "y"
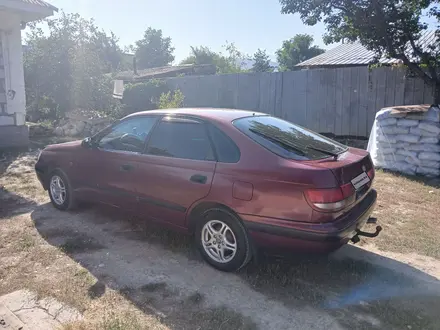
{"x": 177, "y": 169}
{"x": 110, "y": 170}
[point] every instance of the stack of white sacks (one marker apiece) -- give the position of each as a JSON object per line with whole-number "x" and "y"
{"x": 406, "y": 142}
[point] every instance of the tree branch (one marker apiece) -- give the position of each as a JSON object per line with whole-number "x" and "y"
{"x": 424, "y": 57}
{"x": 417, "y": 70}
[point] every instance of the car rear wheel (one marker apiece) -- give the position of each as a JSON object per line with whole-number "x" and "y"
{"x": 60, "y": 191}
{"x": 222, "y": 240}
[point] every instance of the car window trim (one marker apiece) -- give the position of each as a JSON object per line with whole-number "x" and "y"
{"x": 121, "y": 121}
{"x": 177, "y": 116}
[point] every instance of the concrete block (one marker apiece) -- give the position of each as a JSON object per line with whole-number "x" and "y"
{"x": 9, "y": 320}
{"x": 14, "y": 137}
{"x": 22, "y": 310}
{"x": 6, "y": 120}
{"x": 20, "y": 118}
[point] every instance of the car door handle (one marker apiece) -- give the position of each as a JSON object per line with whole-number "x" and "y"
{"x": 198, "y": 178}
{"x": 126, "y": 168}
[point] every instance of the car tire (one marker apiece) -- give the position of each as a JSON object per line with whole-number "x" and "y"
{"x": 217, "y": 234}
{"x": 60, "y": 191}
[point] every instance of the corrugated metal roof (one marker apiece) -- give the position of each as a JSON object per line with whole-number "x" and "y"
{"x": 40, "y": 3}
{"x": 165, "y": 71}
{"x": 356, "y": 54}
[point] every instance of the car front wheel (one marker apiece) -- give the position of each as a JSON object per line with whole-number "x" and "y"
{"x": 60, "y": 191}
{"x": 222, "y": 240}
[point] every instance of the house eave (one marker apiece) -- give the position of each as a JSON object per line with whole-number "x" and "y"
{"x": 28, "y": 11}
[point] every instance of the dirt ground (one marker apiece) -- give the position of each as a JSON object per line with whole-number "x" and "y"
{"x": 123, "y": 273}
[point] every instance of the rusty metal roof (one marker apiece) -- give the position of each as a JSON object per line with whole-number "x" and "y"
{"x": 356, "y": 54}
{"x": 166, "y": 71}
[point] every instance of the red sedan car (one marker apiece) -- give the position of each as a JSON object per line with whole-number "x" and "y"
{"x": 234, "y": 179}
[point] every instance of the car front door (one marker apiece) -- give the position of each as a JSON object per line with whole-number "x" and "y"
{"x": 178, "y": 168}
{"x": 110, "y": 170}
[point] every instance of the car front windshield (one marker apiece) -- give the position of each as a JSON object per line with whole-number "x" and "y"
{"x": 287, "y": 139}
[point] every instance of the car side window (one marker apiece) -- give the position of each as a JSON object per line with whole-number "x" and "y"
{"x": 181, "y": 138}
{"x": 129, "y": 135}
{"x": 226, "y": 149}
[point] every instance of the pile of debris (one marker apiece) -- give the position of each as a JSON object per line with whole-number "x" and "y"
{"x": 81, "y": 123}
{"x": 406, "y": 139}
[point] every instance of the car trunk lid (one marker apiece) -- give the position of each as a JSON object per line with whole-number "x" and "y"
{"x": 353, "y": 171}
{"x": 348, "y": 166}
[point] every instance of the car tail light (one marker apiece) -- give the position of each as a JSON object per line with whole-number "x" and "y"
{"x": 333, "y": 199}
{"x": 370, "y": 173}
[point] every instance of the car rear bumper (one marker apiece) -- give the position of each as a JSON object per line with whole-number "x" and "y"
{"x": 308, "y": 236}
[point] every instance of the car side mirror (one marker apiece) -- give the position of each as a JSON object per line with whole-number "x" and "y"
{"x": 88, "y": 143}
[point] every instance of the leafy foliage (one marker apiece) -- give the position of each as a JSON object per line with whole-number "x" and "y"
{"x": 261, "y": 62}
{"x": 296, "y": 50}
{"x": 388, "y": 27}
{"x": 153, "y": 50}
{"x": 201, "y": 55}
{"x": 143, "y": 96}
{"x": 231, "y": 62}
{"x": 171, "y": 100}
{"x": 64, "y": 68}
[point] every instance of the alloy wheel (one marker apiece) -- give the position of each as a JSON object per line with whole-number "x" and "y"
{"x": 219, "y": 241}
{"x": 58, "y": 190}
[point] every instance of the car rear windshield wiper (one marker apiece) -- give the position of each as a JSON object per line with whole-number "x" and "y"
{"x": 327, "y": 152}
{"x": 278, "y": 141}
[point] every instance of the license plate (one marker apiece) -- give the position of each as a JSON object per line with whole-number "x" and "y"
{"x": 359, "y": 181}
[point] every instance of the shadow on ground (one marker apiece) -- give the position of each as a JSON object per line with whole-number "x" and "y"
{"x": 12, "y": 204}
{"x": 6, "y": 159}
{"x": 161, "y": 273}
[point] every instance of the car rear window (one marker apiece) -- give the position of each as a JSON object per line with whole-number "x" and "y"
{"x": 287, "y": 139}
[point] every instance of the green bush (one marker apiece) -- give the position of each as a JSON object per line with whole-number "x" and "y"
{"x": 171, "y": 100}
{"x": 143, "y": 96}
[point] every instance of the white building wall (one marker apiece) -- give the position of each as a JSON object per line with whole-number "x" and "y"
{"x": 13, "y": 131}
{"x": 10, "y": 32}
{"x": 17, "y": 103}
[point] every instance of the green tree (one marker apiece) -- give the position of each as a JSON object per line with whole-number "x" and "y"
{"x": 230, "y": 62}
{"x": 390, "y": 28}
{"x": 154, "y": 50}
{"x": 108, "y": 49}
{"x": 171, "y": 100}
{"x": 143, "y": 96}
{"x": 235, "y": 59}
{"x": 261, "y": 62}
{"x": 64, "y": 67}
{"x": 201, "y": 55}
{"x": 296, "y": 50}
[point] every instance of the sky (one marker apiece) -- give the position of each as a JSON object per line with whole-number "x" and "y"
{"x": 250, "y": 24}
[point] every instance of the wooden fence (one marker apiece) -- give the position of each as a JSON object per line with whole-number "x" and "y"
{"x": 340, "y": 101}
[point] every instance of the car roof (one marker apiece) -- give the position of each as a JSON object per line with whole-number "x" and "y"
{"x": 216, "y": 114}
